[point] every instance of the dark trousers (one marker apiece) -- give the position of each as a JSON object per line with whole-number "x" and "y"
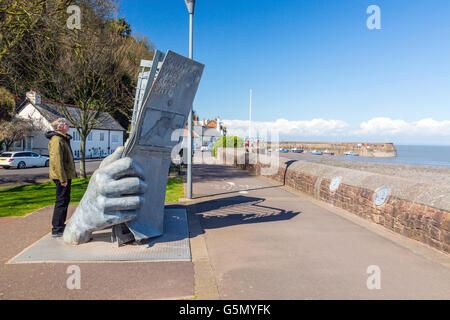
{"x": 61, "y": 205}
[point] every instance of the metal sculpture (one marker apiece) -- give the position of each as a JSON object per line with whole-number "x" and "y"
{"x": 128, "y": 190}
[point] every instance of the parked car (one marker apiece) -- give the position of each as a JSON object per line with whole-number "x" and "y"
{"x": 22, "y": 159}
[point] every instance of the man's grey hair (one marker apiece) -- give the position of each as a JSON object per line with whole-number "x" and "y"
{"x": 58, "y": 122}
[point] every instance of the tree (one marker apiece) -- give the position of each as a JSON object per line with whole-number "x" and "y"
{"x": 122, "y": 27}
{"x": 21, "y": 17}
{"x": 94, "y": 68}
{"x": 15, "y": 130}
{"x": 7, "y": 104}
{"x": 227, "y": 142}
{"x": 90, "y": 79}
{"x": 94, "y": 74}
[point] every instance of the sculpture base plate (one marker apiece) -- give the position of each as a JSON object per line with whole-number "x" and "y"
{"x": 173, "y": 245}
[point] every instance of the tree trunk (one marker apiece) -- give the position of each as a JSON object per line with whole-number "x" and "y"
{"x": 82, "y": 158}
{"x": 8, "y": 144}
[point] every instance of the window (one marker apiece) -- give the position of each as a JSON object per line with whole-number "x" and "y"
{"x": 20, "y": 154}
{"x": 29, "y": 143}
{"x": 102, "y": 136}
{"x": 89, "y": 137}
{"x": 5, "y": 155}
{"x": 115, "y": 138}
{"x": 18, "y": 144}
{"x": 35, "y": 155}
{"x": 76, "y": 136}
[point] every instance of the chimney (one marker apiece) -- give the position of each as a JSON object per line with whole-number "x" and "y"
{"x": 218, "y": 124}
{"x": 34, "y": 97}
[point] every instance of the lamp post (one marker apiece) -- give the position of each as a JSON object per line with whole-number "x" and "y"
{"x": 250, "y": 122}
{"x": 190, "y": 4}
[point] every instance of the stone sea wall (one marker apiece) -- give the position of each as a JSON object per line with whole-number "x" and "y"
{"x": 416, "y": 206}
{"x": 380, "y": 150}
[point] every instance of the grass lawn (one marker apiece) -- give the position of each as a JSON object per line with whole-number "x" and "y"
{"x": 175, "y": 189}
{"x": 21, "y": 200}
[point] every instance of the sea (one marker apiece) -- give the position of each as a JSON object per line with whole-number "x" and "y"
{"x": 433, "y": 156}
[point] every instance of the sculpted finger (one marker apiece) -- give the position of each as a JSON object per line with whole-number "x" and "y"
{"x": 117, "y": 154}
{"x": 117, "y": 217}
{"x": 124, "y": 203}
{"x": 124, "y": 167}
{"x": 131, "y": 185}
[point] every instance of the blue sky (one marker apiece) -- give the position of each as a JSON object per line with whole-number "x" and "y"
{"x": 315, "y": 60}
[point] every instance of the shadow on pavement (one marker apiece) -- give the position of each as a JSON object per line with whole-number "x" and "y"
{"x": 237, "y": 210}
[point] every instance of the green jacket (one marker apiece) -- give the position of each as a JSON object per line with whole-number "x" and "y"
{"x": 62, "y": 166}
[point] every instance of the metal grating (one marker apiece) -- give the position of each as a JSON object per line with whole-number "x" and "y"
{"x": 173, "y": 245}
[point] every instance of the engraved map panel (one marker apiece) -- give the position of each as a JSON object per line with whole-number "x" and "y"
{"x": 169, "y": 101}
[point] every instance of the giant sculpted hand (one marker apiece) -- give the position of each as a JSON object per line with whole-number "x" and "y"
{"x": 112, "y": 197}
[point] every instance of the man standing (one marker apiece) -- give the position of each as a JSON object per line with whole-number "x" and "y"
{"x": 62, "y": 171}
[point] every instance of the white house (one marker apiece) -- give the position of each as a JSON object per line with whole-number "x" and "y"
{"x": 204, "y": 133}
{"x": 211, "y": 130}
{"x": 104, "y": 138}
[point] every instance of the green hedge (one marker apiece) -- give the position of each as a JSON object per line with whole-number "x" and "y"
{"x": 227, "y": 142}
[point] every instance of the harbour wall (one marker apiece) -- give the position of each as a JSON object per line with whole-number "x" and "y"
{"x": 415, "y": 208}
{"x": 378, "y": 150}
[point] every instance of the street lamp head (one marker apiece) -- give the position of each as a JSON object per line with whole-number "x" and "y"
{"x": 190, "y": 4}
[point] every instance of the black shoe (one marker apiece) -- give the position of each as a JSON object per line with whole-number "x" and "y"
{"x": 57, "y": 234}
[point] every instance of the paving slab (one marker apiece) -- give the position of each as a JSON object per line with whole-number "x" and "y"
{"x": 173, "y": 245}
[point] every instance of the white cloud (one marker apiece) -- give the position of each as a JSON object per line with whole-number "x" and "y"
{"x": 321, "y": 128}
{"x": 434, "y": 127}
{"x": 390, "y": 127}
{"x": 382, "y": 126}
{"x": 315, "y": 127}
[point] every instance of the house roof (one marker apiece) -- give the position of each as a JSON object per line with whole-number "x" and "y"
{"x": 50, "y": 112}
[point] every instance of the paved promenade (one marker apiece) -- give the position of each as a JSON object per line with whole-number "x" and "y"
{"x": 250, "y": 239}
{"x": 267, "y": 242}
